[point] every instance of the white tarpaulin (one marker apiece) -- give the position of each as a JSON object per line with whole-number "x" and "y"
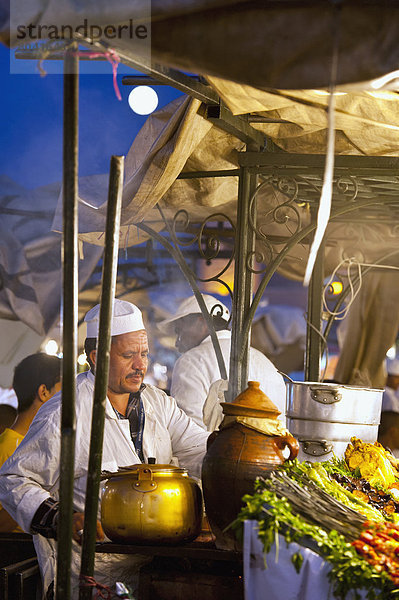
{"x": 30, "y": 270}
{"x": 177, "y": 138}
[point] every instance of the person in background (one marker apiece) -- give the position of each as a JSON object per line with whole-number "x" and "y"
{"x": 196, "y": 382}
{"x": 388, "y": 431}
{"x": 390, "y": 398}
{"x": 8, "y": 408}
{"x": 36, "y": 379}
{"x": 141, "y": 421}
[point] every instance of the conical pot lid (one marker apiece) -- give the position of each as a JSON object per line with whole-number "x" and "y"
{"x": 252, "y": 402}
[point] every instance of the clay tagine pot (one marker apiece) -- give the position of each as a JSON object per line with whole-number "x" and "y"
{"x": 238, "y": 454}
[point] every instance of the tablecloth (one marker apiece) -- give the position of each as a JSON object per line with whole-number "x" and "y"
{"x": 277, "y": 579}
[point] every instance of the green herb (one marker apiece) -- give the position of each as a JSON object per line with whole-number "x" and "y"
{"x": 297, "y": 560}
{"x": 337, "y": 465}
{"x": 349, "y": 571}
{"x": 318, "y": 473}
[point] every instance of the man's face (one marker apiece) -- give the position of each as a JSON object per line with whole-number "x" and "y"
{"x": 128, "y": 362}
{"x": 190, "y": 332}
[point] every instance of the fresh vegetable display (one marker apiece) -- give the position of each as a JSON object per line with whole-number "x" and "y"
{"x": 379, "y": 545}
{"x": 342, "y": 510}
{"x": 372, "y": 461}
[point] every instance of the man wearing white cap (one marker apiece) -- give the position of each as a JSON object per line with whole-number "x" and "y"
{"x": 141, "y": 421}
{"x": 196, "y": 380}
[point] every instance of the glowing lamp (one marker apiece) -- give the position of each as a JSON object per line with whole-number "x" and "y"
{"x": 82, "y": 359}
{"x": 336, "y": 287}
{"x": 143, "y": 100}
{"x": 51, "y": 347}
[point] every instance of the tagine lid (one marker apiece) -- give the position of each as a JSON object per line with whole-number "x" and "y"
{"x": 252, "y": 402}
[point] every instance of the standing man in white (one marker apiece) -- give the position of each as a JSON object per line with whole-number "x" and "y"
{"x": 196, "y": 379}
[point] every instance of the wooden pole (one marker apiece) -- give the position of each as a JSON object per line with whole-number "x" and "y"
{"x": 70, "y": 319}
{"x": 110, "y": 266}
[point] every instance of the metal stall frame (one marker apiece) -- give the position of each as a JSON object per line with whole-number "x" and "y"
{"x": 70, "y": 319}
{"x": 253, "y": 165}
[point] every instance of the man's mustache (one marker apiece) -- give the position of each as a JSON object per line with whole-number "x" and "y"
{"x": 136, "y": 372}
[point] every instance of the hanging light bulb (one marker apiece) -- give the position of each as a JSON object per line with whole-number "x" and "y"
{"x": 336, "y": 287}
{"x": 143, "y": 100}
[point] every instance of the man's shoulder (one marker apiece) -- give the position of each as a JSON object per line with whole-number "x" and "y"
{"x": 201, "y": 353}
{"x": 85, "y": 378}
{"x": 153, "y": 390}
{"x": 188, "y": 357}
{"x": 260, "y": 357}
{"x": 156, "y": 398}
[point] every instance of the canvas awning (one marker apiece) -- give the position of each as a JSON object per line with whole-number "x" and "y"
{"x": 266, "y": 60}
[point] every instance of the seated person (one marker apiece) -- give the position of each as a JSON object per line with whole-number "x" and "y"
{"x": 36, "y": 378}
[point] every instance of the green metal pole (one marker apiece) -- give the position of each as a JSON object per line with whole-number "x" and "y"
{"x": 70, "y": 319}
{"x": 110, "y": 266}
{"x": 244, "y": 245}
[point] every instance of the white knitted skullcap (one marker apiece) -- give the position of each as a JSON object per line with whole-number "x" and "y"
{"x": 126, "y": 317}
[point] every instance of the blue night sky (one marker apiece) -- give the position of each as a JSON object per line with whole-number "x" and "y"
{"x": 31, "y": 131}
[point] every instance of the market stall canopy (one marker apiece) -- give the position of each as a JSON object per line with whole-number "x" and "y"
{"x": 276, "y": 44}
{"x": 268, "y": 62}
{"x": 178, "y": 139}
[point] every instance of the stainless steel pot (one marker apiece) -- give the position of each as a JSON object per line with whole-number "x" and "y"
{"x": 324, "y": 416}
{"x": 333, "y": 402}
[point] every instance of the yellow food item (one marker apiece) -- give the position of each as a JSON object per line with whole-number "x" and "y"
{"x": 372, "y": 462}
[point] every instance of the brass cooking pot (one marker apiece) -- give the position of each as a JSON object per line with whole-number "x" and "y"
{"x": 151, "y": 504}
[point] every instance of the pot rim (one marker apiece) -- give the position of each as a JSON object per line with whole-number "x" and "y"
{"x": 332, "y": 385}
{"x": 156, "y": 469}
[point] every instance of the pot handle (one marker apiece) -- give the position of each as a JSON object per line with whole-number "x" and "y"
{"x": 145, "y": 481}
{"x": 291, "y": 442}
{"x": 325, "y": 396}
{"x": 316, "y": 447}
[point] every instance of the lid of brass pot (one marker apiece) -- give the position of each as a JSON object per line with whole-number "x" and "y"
{"x": 252, "y": 402}
{"x": 137, "y": 469}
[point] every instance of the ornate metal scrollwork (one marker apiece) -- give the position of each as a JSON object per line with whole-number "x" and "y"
{"x": 344, "y": 184}
{"x": 272, "y": 227}
{"x": 345, "y": 187}
{"x": 208, "y": 240}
